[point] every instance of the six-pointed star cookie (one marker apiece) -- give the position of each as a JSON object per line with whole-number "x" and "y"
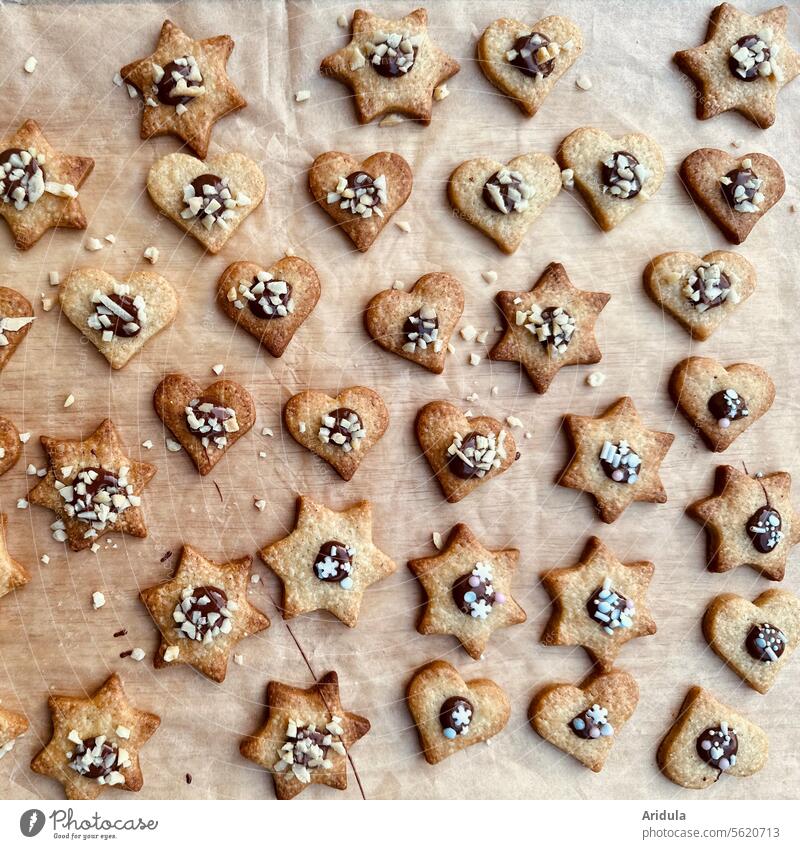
{"x": 599, "y": 603}
{"x": 12, "y": 574}
{"x": 92, "y": 487}
{"x": 202, "y": 612}
{"x": 744, "y": 63}
{"x": 96, "y": 742}
{"x": 306, "y": 738}
{"x": 185, "y": 86}
{"x": 469, "y": 590}
{"x": 616, "y": 459}
{"x": 12, "y": 725}
{"x": 392, "y": 66}
{"x": 328, "y": 560}
{"x": 550, "y": 327}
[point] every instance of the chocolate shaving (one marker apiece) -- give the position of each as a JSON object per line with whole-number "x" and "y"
{"x": 121, "y": 633}
{"x": 219, "y": 491}
{"x": 166, "y": 557}
{"x": 127, "y": 653}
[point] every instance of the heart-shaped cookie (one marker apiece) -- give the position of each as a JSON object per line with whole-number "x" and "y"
{"x": 721, "y": 402}
{"x": 206, "y": 422}
{"x": 417, "y": 325}
{"x": 503, "y": 201}
{"x": 525, "y": 61}
{"x": 615, "y": 175}
{"x": 451, "y": 713}
{"x": 16, "y": 317}
{"x": 118, "y": 318}
{"x": 340, "y": 430}
{"x": 734, "y": 191}
{"x": 699, "y": 292}
{"x": 463, "y": 452}
{"x": 754, "y": 638}
{"x": 210, "y": 199}
{"x": 361, "y": 197}
{"x": 9, "y": 445}
{"x": 584, "y": 721}
{"x": 271, "y": 303}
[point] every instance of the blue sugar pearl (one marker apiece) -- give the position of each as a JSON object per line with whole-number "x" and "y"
{"x": 470, "y": 597}
{"x": 606, "y": 730}
{"x": 578, "y": 724}
{"x": 346, "y": 583}
{"x": 450, "y": 733}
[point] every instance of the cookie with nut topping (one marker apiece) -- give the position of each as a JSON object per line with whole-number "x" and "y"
{"x": 10, "y": 446}
{"x": 13, "y": 574}
{"x": 12, "y": 725}
{"x": 16, "y": 318}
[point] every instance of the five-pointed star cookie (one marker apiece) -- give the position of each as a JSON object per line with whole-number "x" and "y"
{"x": 306, "y": 738}
{"x": 744, "y": 63}
{"x": 469, "y": 590}
{"x": 96, "y": 742}
{"x": 392, "y": 66}
{"x": 550, "y": 327}
{"x": 615, "y": 458}
{"x": 12, "y": 574}
{"x": 599, "y": 603}
{"x": 202, "y": 612}
{"x": 750, "y": 522}
{"x": 328, "y": 560}
{"x": 185, "y": 86}
{"x": 12, "y": 725}
{"x": 92, "y": 487}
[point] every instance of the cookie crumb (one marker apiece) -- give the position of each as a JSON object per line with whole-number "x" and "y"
{"x": 468, "y": 333}
{"x": 302, "y": 95}
{"x": 24, "y": 437}
{"x": 45, "y": 558}
{"x": 437, "y": 540}
{"x": 451, "y": 348}
{"x": 513, "y": 421}
{"x": 441, "y": 91}
{"x": 47, "y": 303}
{"x": 54, "y": 277}
{"x": 171, "y": 653}
{"x": 583, "y": 82}
{"x": 110, "y": 238}
{"x": 474, "y": 359}
{"x": 148, "y": 444}
{"x": 495, "y": 390}
{"x": 528, "y": 435}
{"x": 568, "y": 178}
{"x": 737, "y": 142}
{"x": 262, "y": 455}
{"x": 342, "y": 21}
{"x": 404, "y": 226}
{"x": 398, "y": 284}
{"x": 69, "y": 400}
{"x": 260, "y": 504}
{"x": 218, "y": 368}
{"x": 93, "y": 244}
{"x": 238, "y": 659}
{"x": 95, "y": 547}
{"x": 98, "y": 600}
{"x": 595, "y": 379}
{"x": 30, "y": 64}
{"x": 151, "y": 254}
{"x": 267, "y": 431}
{"x": 473, "y": 398}
{"x": 482, "y": 336}
{"x": 137, "y": 654}
{"x": 391, "y": 120}
{"x": 172, "y": 445}
{"x": 489, "y": 277}
{"x": 22, "y": 504}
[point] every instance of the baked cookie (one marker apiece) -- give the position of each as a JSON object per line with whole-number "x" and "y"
{"x": 469, "y": 591}
{"x": 306, "y": 738}
{"x": 745, "y": 61}
{"x": 451, "y": 713}
{"x": 699, "y": 292}
{"x": 271, "y": 303}
{"x": 463, "y": 452}
{"x": 734, "y": 192}
{"x": 9, "y": 445}
{"x": 525, "y": 61}
{"x": 202, "y": 612}
{"x": 92, "y": 487}
{"x": 417, "y": 325}
{"x": 12, "y": 725}
{"x": 185, "y": 86}
{"x": 503, "y": 201}
{"x": 707, "y": 739}
{"x": 550, "y": 327}
{"x": 12, "y": 574}
{"x": 39, "y": 186}
{"x": 720, "y": 402}
{"x": 328, "y": 560}
{"x": 16, "y": 317}
{"x": 614, "y": 175}
{"x": 361, "y": 197}
{"x": 615, "y": 458}
{"x": 96, "y": 742}
{"x": 584, "y": 721}
{"x": 754, "y": 639}
{"x": 392, "y": 66}
{"x": 206, "y": 422}
{"x": 118, "y": 317}
{"x": 209, "y": 200}
{"x": 340, "y": 430}
{"x": 750, "y": 522}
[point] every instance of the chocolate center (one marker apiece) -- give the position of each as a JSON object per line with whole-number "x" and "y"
{"x": 205, "y": 610}
{"x": 394, "y": 55}
{"x": 473, "y": 595}
{"x": 620, "y": 462}
{"x": 592, "y": 723}
{"x": 210, "y": 421}
{"x": 94, "y": 758}
{"x": 750, "y": 58}
{"x": 334, "y": 563}
{"x": 610, "y": 609}
{"x": 531, "y": 56}
{"x": 765, "y": 642}
{"x": 178, "y": 74}
{"x": 455, "y": 716}
{"x": 122, "y": 319}
{"x": 421, "y": 329}
{"x": 764, "y": 529}
{"x": 741, "y": 188}
{"x": 22, "y": 177}
{"x": 622, "y": 175}
{"x": 707, "y": 287}
{"x": 271, "y": 299}
{"x": 476, "y": 454}
{"x": 342, "y": 427}
{"x": 726, "y": 406}
{"x": 208, "y": 190}
{"x": 717, "y": 746}
{"x": 506, "y": 191}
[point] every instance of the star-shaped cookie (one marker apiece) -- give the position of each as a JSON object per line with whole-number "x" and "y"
{"x": 12, "y": 725}
{"x": 96, "y": 742}
{"x": 750, "y": 522}
{"x": 550, "y": 327}
{"x": 392, "y": 66}
{"x": 92, "y": 487}
{"x": 12, "y": 573}
{"x": 202, "y": 612}
{"x": 185, "y": 86}
{"x": 599, "y": 603}
{"x": 615, "y": 458}
{"x": 328, "y": 560}
{"x": 306, "y": 738}
{"x": 744, "y": 63}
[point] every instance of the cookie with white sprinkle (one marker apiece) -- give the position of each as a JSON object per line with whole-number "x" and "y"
{"x": 10, "y": 446}
{"x": 16, "y": 320}
{"x": 12, "y": 725}
{"x": 12, "y": 573}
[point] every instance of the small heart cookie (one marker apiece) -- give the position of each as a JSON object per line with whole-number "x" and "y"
{"x": 361, "y": 197}
{"x": 451, "y": 713}
{"x": 525, "y": 61}
{"x": 210, "y": 199}
{"x": 340, "y": 430}
{"x": 206, "y": 422}
{"x": 16, "y": 317}
{"x": 721, "y": 402}
{"x": 584, "y": 721}
{"x": 699, "y": 292}
{"x": 503, "y": 201}
{"x": 118, "y": 318}
{"x": 9, "y": 445}
{"x": 615, "y": 175}
{"x": 733, "y": 191}
{"x": 272, "y": 303}
{"x": 417, "y": 325}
